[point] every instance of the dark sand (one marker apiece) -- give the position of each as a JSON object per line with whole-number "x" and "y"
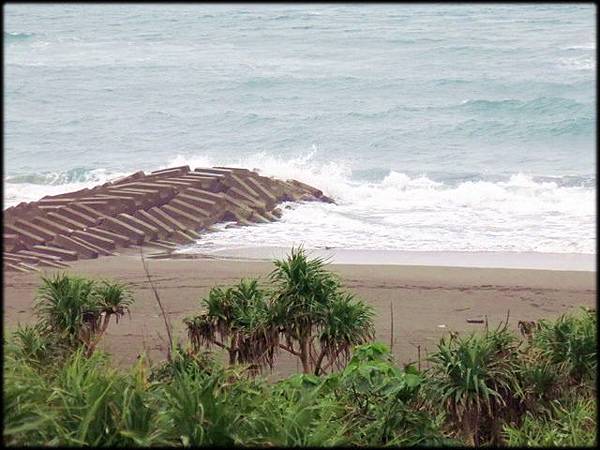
{"x": 427, "y": 301}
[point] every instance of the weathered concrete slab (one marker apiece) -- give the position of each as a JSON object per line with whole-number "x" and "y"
{"x": 161, "y": 225}
{"x": 135, "y": 235}
{"x": 83, "y": 251}
{"x": 181, "y": 215}
{"x": 149, "y": 230}
{"x": 35, "y": 229}
{"x": 52, "y": 225}
{"x": 67, "y": 255}
{"x": 78, "y": 216}
{"x": 187, "y": 206}
{"x": 97, "y": 249}
{"x": 167, "y": 218}
{"x": 59, "y": 217}
{"x": 90, "y": 238}
{"x": 88, "y": 209}
{"x": 119, "y": 239}
{"x": 24, "y": 236}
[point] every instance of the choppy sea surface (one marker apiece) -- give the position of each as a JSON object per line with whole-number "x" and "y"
{"x": 435, "y": 127}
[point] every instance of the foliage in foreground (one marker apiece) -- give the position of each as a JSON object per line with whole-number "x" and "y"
{"x": 193, "y": 400}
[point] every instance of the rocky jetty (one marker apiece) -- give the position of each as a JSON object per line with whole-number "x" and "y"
{"x": 162, "y": 209}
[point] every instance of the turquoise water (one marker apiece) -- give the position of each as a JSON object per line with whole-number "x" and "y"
{"x": 436, "y": 127}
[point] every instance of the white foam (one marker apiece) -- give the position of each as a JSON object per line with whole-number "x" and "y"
{"x": 417, "y": 213}
{"x": 53, "y": 184}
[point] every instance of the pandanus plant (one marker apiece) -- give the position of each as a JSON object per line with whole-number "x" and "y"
{"x": 319, "y": 322}
{"x": 239, "y": 320}
{"x": 476, "y": 379}
{"x": 78, "y": 310}
{"x": 305, "y": 313}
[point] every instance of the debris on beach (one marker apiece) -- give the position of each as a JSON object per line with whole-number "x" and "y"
{"x": 475, "y": 320}
{"x": 162, "y": 209}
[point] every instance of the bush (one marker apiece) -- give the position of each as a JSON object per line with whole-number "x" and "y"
{"x": 570, "y": 344}
{"x": 566, "y": 424}
{"x": 476, "y": 379}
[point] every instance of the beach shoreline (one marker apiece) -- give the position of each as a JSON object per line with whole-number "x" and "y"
{"x": 475, "y": 259}
{"x": 427, "y": 301}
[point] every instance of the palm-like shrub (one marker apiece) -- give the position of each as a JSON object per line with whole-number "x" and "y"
{"x": 476, "y": 379}
{"x": 309, "y": 305}
{"x": 112, "y": 299}
{"x": 570, "y": 343}
{"x": 347, "y": 323}
{"x": 34, "y": 344}
{"x": 239, "y": 320}
{"x": 306, "y": 313}
{"x": 66, "y": 305}
{"x": 76, "y": 311}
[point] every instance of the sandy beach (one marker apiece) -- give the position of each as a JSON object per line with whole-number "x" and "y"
{"x": 427, "y": 301}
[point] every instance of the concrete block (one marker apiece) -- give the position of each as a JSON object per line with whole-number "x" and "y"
{"x": 164, "y": 229}
{"x": 160, "y": 214}
{"x": 165, "y": 191}
{"x": 16, "y": 267}
{"x": 134, "y": 234}
{"x": 27, "y": 237}
{"x": 84, "y": 251}
{"x": 78, "y": 216}
{"x": 149, "y": 230}
{"x": 40, "y": 256}
{"x": 181, "y": 215}
{"x": 265, "y": 195}
{"x": 176, "y": 183}
{"x": 53, "y": 226}
{"x": 182, "y": 238}
{"x": 63, "y": 254}
{"x": 58, "y": 216}
{"x": 123, "y": 203}
{"x": 194, "y": 210}
{"x": 134, "y": 176}
{"x": 173, "y": 171}
{"x": 19, "y": 256}
{"x": 97, "y": 249}
{"x": 99, "y": 241}
{"x": 88, "y": 209}
{"x": 203, "y": 203}
{"x": 119, "y": 239}
{"x": 35, "y": 229}
{"x": 237, "y": 193}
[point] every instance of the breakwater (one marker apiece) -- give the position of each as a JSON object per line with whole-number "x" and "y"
{"x": 163, "y": 209}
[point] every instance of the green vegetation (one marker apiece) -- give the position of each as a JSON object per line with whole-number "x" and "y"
{"x": 482, "y": 389}
{"x": 305, "y": 312}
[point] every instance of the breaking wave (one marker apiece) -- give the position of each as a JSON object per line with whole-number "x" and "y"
{"x": 397, "y": 211}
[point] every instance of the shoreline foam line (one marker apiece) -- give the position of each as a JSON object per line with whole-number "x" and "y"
{"x": 492, "y": 260}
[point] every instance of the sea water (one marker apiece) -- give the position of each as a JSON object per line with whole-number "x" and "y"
{"x": 456, "y": 128}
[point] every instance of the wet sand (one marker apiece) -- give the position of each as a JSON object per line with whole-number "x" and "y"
{"x": 427, "y": 301}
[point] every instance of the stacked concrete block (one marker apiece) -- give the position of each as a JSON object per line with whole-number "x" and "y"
{"x": 162, "y": 209}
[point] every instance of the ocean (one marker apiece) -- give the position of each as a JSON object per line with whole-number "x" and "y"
{"x": 436, "y": 128}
